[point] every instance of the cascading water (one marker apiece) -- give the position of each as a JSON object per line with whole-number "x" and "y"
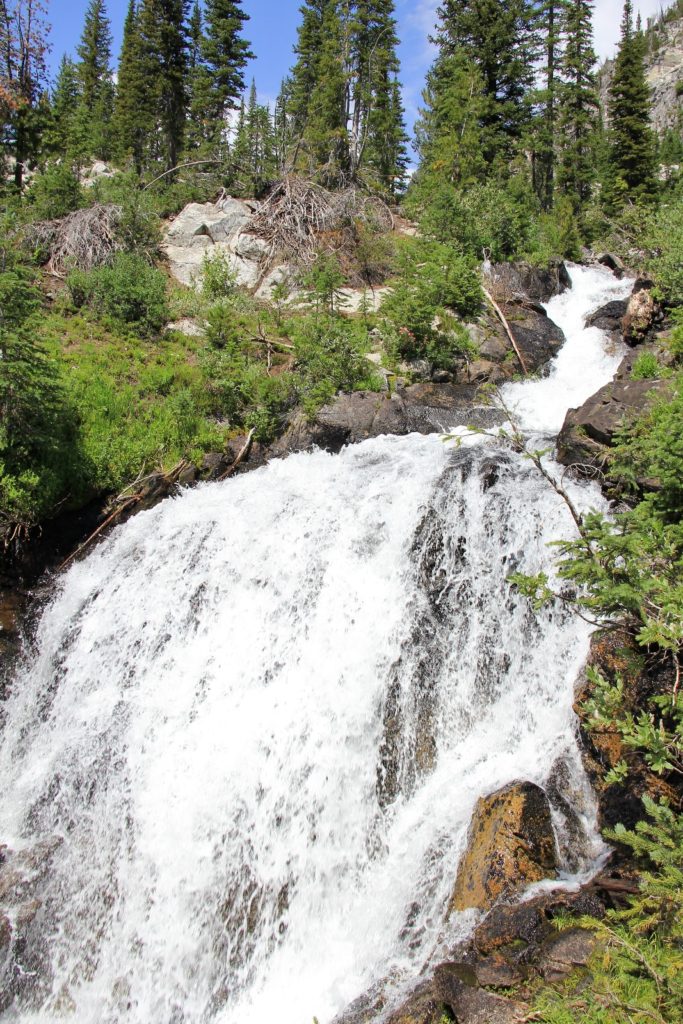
{"x": 258, "y": 718}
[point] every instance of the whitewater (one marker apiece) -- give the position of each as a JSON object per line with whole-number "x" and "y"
{"x": 257, "y": 718}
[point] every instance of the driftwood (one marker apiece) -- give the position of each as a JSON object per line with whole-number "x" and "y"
{"x": 124, "y": 504}
{"x": 501, "y": 316}
{"x": 298, "y": 210}
{"x": 244, "y": 451}
{"x": 82, "y": 240}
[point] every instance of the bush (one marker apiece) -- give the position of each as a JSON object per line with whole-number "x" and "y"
{"x": 130, "y": 292}
{"x": 218, "y": 277}
{"x": 554, "y": 236}
{"x": 40, "y": 456}
{"x": 330, "y": 357}
{"x": 646, "y": 367}
{"x": 664, "y": 241}
{"x": 54, "y": 193}
{"x": 436, "y": 281}
{"x": 485, "y": 219}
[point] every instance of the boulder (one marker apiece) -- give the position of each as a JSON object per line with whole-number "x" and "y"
{"x": 218, "y": 222}
{"x": 200, "y": 227}
{"x": 613, "y": 263}
{"x": 423, "y": 408}
{"x": 589, "y": 431}
{"x": 510, "y": 845}
{"x": 470, "y": 1004}
{"x": 538, "y": 338}
{"x": 641, "y": 314}
{"x": 422, "y": 1006}
{"x": 522, "y": 280}
{"x": 190, "y": 328}
{"x": 609, "y": 316}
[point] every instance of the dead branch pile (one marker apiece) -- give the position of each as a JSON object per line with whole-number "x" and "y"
{"x": 80, "y": 241}
{"x": 297, "y": 211}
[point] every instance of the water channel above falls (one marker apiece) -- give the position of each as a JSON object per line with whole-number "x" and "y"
{"x": 202, "y": 721}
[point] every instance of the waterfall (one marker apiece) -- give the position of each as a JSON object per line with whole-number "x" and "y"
{"x": 256, "y": 719}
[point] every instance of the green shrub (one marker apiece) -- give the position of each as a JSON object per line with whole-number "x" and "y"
{"x": 54, "y": 193}
{"x": 435, "y": 282}
{"x": 130, "y": 292}
{"x": 40, "y": 456}
{"x": 323, "y": 282}
{"x": 484, "y": 219}
{"x": 330, "y": 356}
{"x": 664, "y": 242}
{"x": 646, "y": 367}
{"x": 554, "y": 235}
{"x": 217, "y": 277}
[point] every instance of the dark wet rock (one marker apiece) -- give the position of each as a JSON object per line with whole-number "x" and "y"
{"x": 522, "y": 280}
{"x": 561, "y": 955}
{"x": 470, "y": 1004}
{"x": 613, "y": 263}
{"x": 609, "y": 316}
{"x": 423, "y": 1006}
{"x": 589, "y": 431}
{"x": 510, "y": 845}
{"x": 423, "y": 408}
{"x": 537, "y": 337}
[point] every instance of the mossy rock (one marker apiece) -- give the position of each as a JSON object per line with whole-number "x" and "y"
{"x": 510, "y": 845}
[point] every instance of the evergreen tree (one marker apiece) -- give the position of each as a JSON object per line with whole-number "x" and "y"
{"x": 378, "y": 137}
{"x": 94, "y": 73}
{"x": 448, "y": 132}
{"x": 499, "y": 38}
{"x": 134, "y": 106}
{"x": 544, "y": 145}
{"x": 219, "y": 78}
{"x": 577, "y": 114}
{"x": 304, "y": 73}
{"x": 343, "y": 112}
{"x": 632, "y": 140}
{"x": 65, "y": 101}
{"x": 326, "y": 147}
{"x": 23, "y": 45}
{"x": 163, "y": 66}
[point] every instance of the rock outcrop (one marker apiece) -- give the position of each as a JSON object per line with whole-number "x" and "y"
{"x": 201, "y": 227}
{"x": 522, "y": 280}
{"x": 588, "y": 432}
{"x": 642, "y": 313}
{"x": 510, "y": 845}
{"x": 664, "y": 72}
{"x": 421, "y": 408}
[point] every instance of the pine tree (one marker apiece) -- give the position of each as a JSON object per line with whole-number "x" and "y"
{"x": 499, "y": 38}
{"x": 378, "y": 138}
{"x": 304, "y": 73}
{"x": 544, "y": 144}
{"x": 577, "y": 114}
{"x": 133, "y": 118}
{"x": 448, "y": 132}
{"x": 343, "y": 113}
{"x": 65, "y": 101}
{"x": 23, "y": 73}
{"x": 325, "y": 135}
{"x": 632, "y": 141}
{"x": 219, "y": 78}
{"x": 94, "y": 73}
{"x": 163, "y": 65}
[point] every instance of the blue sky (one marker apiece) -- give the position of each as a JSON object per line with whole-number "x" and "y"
{"x": 272, "y": 32}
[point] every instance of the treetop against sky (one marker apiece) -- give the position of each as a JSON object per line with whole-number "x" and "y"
{"x": 272, "y": 27}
